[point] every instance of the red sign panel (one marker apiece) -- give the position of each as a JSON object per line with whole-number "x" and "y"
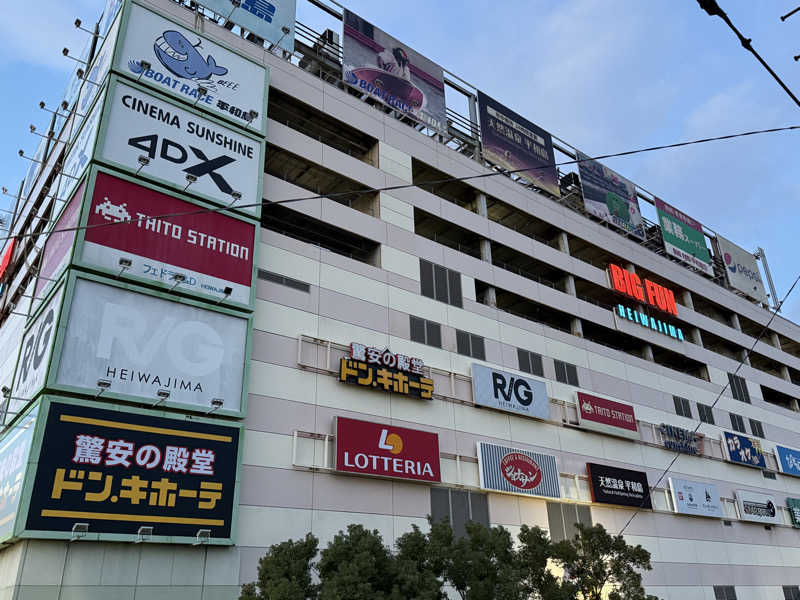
{"x": 645, "y": 291}
{"x": 7, "y": 256}
{"x": 164, "y": 235}
{"x": 607, "y": 416}
{"x": 521, "y": 471}
{"x": 386, "y": 451}
{"x": 59, "y": 244}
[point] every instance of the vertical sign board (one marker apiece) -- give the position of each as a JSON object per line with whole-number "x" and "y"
{"x": 144, "y": 343}
{"x": 516, "y": 144}
{"x": 793, "y": 504}
{"x": 609, "y": 196}
{"x": 517, "y": 471}
{"x": 683, "y": 237}
{"x": 386, "y": 451}
{"x": 98, "y": 70}
{"x": 743, "y": 450}
{"x": 118, "y": 471}
{"x": 696, "y": 498}
{"x": 14, "y": 450}
{"x": 607, "y": 416}
{"x": 509, "y": 392}
{"x": 36, "y": 351}
{"x": 788, "y": 460}
{"x": 181, "y": 61}
{"x": 213, "y": 250}
{"x": 760, "y": 508}
{"x": 379, "y": 65}
{"x": 268, "y": 19}
{"x": 612, "y": 485}
{"x": 742, "y": 271}
{"x": 178, "y": 143}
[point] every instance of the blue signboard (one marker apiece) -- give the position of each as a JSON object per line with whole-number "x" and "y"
{"x": 272, "y": 20}
{"x": 789, "y": 460}
{"x": 744, "y": 450}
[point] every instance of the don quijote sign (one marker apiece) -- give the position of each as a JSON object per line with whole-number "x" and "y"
{"x": 214, "y": 251}
{"x": 607, "y": 416}
{"x": 386, "y": 450}
{"x": 175, "y": 146}
{"x": 385, "y": 370}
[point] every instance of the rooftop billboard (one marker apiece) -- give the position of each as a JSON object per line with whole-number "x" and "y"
{"x": 265, "y": 18}
{"x": 742, "y": 271}
{"x": 683, "y": 237}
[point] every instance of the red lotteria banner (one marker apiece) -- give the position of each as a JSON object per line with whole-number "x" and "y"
{"x": 607, "y": 416}
{"x": 386, "y": 451}
{"x": 643, "y": 290}
{"x": 164, "y": 235}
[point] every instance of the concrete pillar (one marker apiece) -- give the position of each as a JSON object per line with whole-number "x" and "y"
{"x": 490, "y": 295}
{"x": 694, "y": 332}
{"x": 647, "y": 352}
{"x": 687, "y": 299}
{"x": 569, "y": 284}
{"x": 563, "y": 242}
{"x": 743, "y": 357}
{"x": 576, "y": 327}
{"x": 785, "y": 374}
{"x": 775, "y": 339}
{"x": 735, "y": 322}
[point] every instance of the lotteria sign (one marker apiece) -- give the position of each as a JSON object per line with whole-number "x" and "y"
{"x": 644, "y": 291}
{"x": 607, "y": 416}
{"x": 386, "y": 451}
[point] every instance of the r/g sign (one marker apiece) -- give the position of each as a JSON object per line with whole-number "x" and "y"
{"x": 509, "y": 392}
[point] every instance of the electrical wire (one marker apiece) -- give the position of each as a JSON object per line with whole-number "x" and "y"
{"x": 678, "y": 453}
{"x": 422, "y": 185}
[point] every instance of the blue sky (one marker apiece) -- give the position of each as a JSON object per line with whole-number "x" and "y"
{"x": 605, "y": 76}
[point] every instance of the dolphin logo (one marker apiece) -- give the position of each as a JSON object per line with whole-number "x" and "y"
{"x": 182, "y": 58}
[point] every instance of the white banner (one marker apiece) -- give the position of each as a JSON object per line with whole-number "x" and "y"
{"x": 177, "y": 143}
{"x": 509, "y": 392}
{"x": 742, "y": 270}
{"x": 695, "y": 498}
{"x": 37, "y": 348}
{"x": 144, "y": 344}
{"x": 760, "y": 508}
{"x": 181, "y": 61}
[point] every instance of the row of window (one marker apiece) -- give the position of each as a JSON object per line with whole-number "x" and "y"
{"x": 728, "y": 592}
{"x": 684, "y": 408}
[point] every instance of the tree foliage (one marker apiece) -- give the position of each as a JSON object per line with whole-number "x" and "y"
{"x": 484, "y": 564}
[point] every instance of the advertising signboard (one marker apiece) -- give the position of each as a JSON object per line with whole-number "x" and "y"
{"x": 14, "y": 450}
{"x": 146, "y": 347}
{"x": 383, "y": 369}
{"x": 609, "y": 196}
{"x": 636, "y": 316}
{"x": 213, "y": 250}
{"x": 760, "y": 508}
{"x": 97, "y": 72}
{"x": 509, "y": 392}
{"x": 741, "y": 269}
{"x": 645, "y": 291}
{"x": 34, "y": 166}
{"x": 793, "y": 505}
{"x": 119, "y": 470}
{"x": 514, "y": 143}
{"x": 743, "y": 450}
{"x": 695, "y": 498}
{"x": 517, "y": 471}
{"x": 268, "y": 19}
{"x": 379, "y": 65}
{"x": 386, "y": 451}
{"x": 788, "y": 460}
{"x": 612, "y": 485}
{"x": 681, "y": 440}
{"x": 607, "y": 416}
{"x": 181, "y": 61}
{"x": 683, "y": 237}
{"x": 177, "y": 144}
{"x": 36, "y": 350}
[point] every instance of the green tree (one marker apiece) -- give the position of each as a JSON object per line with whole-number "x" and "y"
{"x": 534, "y": 554}
{"x": 595, "y": 560}
{"x": 284, "y": 572}
{"x": 419, "y": 575}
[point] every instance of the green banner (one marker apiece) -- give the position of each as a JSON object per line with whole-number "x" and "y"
{"x": 794, "y": 510}
{"x": 683, "y": 237}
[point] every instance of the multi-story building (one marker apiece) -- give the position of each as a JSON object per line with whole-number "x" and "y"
{"x": 425, "y": 317}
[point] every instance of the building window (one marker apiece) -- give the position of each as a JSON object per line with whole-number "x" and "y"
{"x": 440, "y": 284}
{"x": 706, "y": 414}
{"x": 459, "y": 506}
{"x": 757, "y": 428}
{"x": 562, "y": 518}
{"x": 470, "y": 344}
{"x": 682, "y": 407}
{"x": 791, "y": 592}
{"x": 724, "y": 592}
{"x": 739, "y": 388}
{"x": 566, "y": 373}
{"x": 737, "y": 422}
{"x": 283, "y": 280}
{"x": 530, "y": 362}
{"x": 425, "y": 332}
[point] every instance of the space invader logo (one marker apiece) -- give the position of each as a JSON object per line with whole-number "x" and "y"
{"x": 260, "y": 8}
{"x": 112, "y": 212}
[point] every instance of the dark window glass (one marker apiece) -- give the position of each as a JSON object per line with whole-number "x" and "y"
{"x": 462, "y": 342}
{"x": 561, "y": 371}
{"x": 530, "y": 362}
{"x": 459, "y": 507}
{"x": 440, "y": 503}
{"x": 724, "y": 592}
{"x": 739, "y": 388}
{"x": 555, "y": 521}
{"x": 478, "y": 348}
{"x": 283, "y": 280}
{"x": 791, "y": 592}
{"x": 737, "y": 422}
{"x": 566, "y": 373}
{"x": 426, "y": 278}
{"x": 562, "y": 519}
{"x": 459, "y": 504}
{"x": 757, "y": 428}
{"x": 470, "y": 344}
{"x": 425, "y": 332}
{"x": 682, "y": 407}
{"x": 433, "y": 332}
{"x": 572, "y": 374}
{"x": 417, "y": 329}
{"x": 440, "y": 282}
{"x": 705, "y": 413}
{"x": 454, "y": 287}
{"x": 479, "y": 508}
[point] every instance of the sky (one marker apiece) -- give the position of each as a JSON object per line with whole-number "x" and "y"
{"x": 604, "y": 75}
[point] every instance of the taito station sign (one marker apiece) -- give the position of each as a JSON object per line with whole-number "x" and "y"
{"x": 607, "y": 416}
{"x": 386, "y": 450}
